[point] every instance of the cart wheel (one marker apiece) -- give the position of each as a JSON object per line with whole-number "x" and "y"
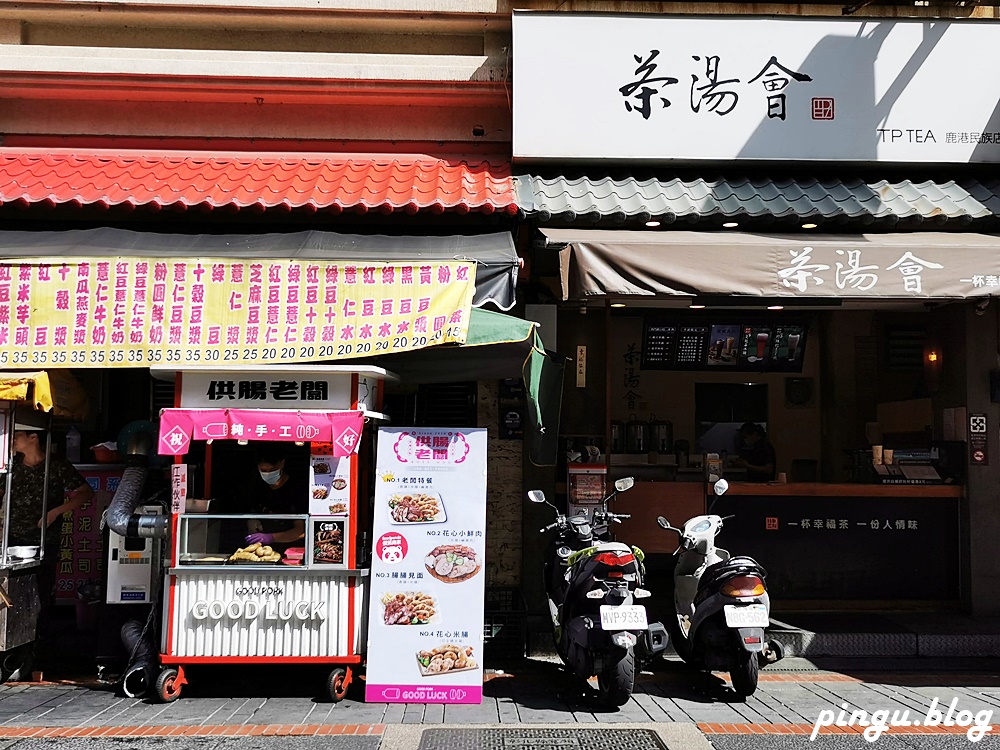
{"x": 337, "y": 684}
{"x": 167, "y": 688}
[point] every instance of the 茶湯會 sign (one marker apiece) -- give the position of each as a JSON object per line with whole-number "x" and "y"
{"x": 648, "y": 88}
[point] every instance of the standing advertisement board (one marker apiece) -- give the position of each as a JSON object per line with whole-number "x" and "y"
{"x": 81, "y": 543}
{"x": 427, "y": 588}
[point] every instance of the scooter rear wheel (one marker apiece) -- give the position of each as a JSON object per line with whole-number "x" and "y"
{"x": 744, "y": 673}
{"x": 617, "y": 681}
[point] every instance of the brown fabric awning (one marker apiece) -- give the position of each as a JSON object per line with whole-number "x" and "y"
{"x": 919, "y": 265}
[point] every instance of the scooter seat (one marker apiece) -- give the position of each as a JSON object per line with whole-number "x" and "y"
{"x": 741, "y": 565}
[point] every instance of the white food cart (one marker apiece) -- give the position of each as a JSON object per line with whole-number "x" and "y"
{"x": 220, "y": 611}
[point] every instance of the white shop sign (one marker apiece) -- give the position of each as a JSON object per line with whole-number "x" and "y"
{"x": 661, "y": 88}
{"x": 271, "y": 389}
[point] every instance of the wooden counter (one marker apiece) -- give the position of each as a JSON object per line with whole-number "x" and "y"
{"x": 774, "y": 489}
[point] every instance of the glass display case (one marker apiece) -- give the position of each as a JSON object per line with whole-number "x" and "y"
{"x": 216, "y": 540}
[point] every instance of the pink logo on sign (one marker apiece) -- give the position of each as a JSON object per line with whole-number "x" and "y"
{"x": 391, "y": 548}
{"x": 431, "y": 447}
{"x": 175, "y": 442}
{"x": 348, "y": 440}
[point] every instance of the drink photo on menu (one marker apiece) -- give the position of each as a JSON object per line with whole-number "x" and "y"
{"x": 723, "y": 345}
{"x": 788, "y": 345}
{"x": 756, "y": 346}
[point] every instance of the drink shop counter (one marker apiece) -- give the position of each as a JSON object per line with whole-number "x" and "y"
{"x": 847, "y": 541}
{"x": 817, "y": 541}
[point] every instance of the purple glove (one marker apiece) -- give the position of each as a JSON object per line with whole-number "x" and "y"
{"x": 262, "y": 538}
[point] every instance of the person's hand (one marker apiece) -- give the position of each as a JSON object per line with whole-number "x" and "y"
{"x": 260, "y": 537}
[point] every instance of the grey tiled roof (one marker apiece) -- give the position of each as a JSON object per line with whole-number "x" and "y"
{"x": 603, "y": 198}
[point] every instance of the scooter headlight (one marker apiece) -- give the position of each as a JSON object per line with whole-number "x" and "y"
{"x": 743, "y": 586}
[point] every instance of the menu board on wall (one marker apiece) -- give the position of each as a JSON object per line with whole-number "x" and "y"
{"x": 81, "y": 544}
{"x": 425, "y": 634}
{"x": 749, "y": 345}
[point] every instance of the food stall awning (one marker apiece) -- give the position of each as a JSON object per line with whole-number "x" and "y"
{"x": 496, "y": 259}
{"x": 498, "y": 346}
{"x": 56, "y": 391}
{"x": 178, "y": 427}
{"x": 917, "y": 265}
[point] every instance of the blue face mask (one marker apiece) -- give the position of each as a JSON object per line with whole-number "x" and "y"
{"x": 271, "y": 477}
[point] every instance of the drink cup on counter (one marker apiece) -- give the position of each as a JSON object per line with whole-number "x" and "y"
{"x": 877, "y": 454}
{"x": 782, "y": 477}
{"x": 887, "y": 456}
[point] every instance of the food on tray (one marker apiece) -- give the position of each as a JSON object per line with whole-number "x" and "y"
{"x": 255, "y": 552}
{"x": 452, "y": 563}
{"x": 414, "y": 507}
{"x": 409, "y": 608}
{"x": 328, "y": 546}
{"x": 445, "y": 658}
{"x": 339, "y": 483}
{"x": 338, "y": 508}
{"x": 321, "y": 468}
{"x": 320, "y": 492}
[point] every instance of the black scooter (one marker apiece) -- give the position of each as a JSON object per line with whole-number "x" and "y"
{"x": 592, "y": 583}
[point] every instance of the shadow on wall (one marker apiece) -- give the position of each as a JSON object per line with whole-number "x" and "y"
{"x": 772, "y": 137}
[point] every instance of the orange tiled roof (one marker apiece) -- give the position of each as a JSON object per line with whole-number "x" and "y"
{"x": 356, "y": 182}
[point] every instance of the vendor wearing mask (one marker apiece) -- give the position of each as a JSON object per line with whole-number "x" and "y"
{"x": 276, "y": 492}
{"x": 757, "y": 455}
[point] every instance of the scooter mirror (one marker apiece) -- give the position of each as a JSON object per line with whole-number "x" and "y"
{"x": 536, "y": 496}
{"x": 720, "y": 487}
{"x": 624, "y": 484}
{"x": 664, "y": 523}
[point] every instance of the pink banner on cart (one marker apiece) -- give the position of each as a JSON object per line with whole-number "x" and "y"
{"x": 178, "y": 427}
{"x": 424, "y": 693}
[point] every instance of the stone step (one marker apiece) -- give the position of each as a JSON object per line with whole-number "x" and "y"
{"x": 866, "y": 635}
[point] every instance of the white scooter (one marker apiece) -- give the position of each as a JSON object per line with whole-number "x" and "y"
{"x": 721, "y": 604}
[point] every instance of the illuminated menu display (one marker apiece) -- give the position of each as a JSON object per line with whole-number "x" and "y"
{"x": 659, "y": 346}
{"x": 691, "y": 344}
{"x": 771, "y": 345}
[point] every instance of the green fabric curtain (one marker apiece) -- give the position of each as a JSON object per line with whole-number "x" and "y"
{"x": 498, "y": 346}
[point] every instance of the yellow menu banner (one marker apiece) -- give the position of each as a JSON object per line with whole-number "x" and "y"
{"x": 137, "y": 312}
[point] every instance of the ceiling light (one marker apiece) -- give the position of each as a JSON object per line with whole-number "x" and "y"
{"x": 652, "y": 223}
{"x": 731, "y": 224}
{"x": 618, "y": 304}
{"x": 775, "y": 307}
{"x": 696, "y": 307}
{"x": 809, "y": 226}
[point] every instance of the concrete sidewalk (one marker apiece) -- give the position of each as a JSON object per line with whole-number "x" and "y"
{"x": 538, "y": 693}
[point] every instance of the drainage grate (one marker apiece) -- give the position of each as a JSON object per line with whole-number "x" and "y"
{"x": 547, "y": 739}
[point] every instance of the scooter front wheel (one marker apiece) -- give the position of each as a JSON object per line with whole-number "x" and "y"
{"x": 744, "y": 673}
{"x": 616, "y": 682}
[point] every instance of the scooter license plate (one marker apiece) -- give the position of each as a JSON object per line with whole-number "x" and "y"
{"x": 746, "y": 616}
{"x": 625, "y": 617}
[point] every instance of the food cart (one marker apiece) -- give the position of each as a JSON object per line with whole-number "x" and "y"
{"x": 28, "y": 400}
{"x": 251, "y": 605}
